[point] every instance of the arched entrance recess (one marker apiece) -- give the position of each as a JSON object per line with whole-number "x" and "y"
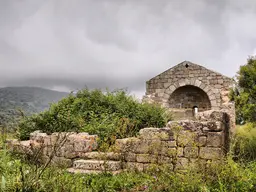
{"x": 189, "y": 97}
{"x": 213, "y": 95}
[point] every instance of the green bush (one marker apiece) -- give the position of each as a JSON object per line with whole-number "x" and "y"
{"x": 244, "y": 142}
{"x": 110, "y": 115}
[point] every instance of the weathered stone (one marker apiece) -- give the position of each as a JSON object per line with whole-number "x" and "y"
{"x": 21, "y": 147}
{"x": 86, "y": 140}
{"x": 180, "y": 152}
{"x": 66, "y": 151}
{"x": 130, "y": 157}
{"x": 213, "y": 115}
{"x": 143, "y": 147}
{"x": 202, "y": 141}
{"x": 214, "y": 139}
{"x": 54, "y": 139}
{"x": 186, "y": 138}
{"x": 127, "y": 144}
{"x": 146, "y": 158}
{"x": 82, "y": 171}
{"x": 210, "y": 153}
{"x": 154, "y": 146}
{"x": 38, "y": 136}
{"x": 168, "y": 144}
{"x": 164, "y": 160}
{"x": 185, "y": 125}
{"x": 181, "y": 164}
{"x": 171, "y": 152}
{"x": 191, "y": 152}
{"x": 97, "y": 165}
{"x": 47, "y": 141}
{"x": 81, "y": 146}
{"x": 156, "y": 133}
{"x": 102, "y": 156}
{"x": 134, "y": 166}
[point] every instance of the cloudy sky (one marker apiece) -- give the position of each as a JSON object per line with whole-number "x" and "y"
{"x": 70, "y": 44}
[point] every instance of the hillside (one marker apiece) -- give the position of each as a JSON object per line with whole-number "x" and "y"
{"x": 28, "y": 99}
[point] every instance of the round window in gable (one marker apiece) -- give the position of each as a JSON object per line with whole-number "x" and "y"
{"x": 186, "y": 65}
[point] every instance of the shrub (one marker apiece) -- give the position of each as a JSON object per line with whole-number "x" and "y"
{"x": 110, "y": 115}
{"x": 244, "y": 143}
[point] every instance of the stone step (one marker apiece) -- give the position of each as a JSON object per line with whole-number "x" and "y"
{"x": 83, "y": 171}
{"x": 97, "y": 165}
{"x": 102, "y": 156}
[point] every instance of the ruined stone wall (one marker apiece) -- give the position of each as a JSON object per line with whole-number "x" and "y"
{"x": 60, "y": 147}
{"x": 181, "y": 145}
{"x": 216, "y": 86}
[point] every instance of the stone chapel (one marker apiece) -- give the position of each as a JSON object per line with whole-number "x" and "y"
{"x": 187, "y": 86}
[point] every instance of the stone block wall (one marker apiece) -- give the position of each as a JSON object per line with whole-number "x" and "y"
{"x": 60, "y": 147}
{"x": 180, "y": 145}
{"x": 187, "y": 97}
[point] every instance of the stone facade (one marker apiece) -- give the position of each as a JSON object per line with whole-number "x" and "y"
{"x": 187, "y": 85}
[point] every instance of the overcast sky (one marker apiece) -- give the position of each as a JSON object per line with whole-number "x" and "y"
{"x": 69, "y": 44}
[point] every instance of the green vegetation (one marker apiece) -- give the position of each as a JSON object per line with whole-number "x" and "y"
{"x": 244, "y": 144}
{"x": 113, "y": 115}
{"x": 29, "y": 100}
{"x": 229, "y": 176}
{"x": 244, "y": 93}
{"x": 110, "y": 115}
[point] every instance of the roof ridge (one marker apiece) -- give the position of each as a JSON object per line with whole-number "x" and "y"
{"x": 190, "y": 63}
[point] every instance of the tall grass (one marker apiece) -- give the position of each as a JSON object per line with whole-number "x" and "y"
{"x": 244, "y": 143}
{"x": 229, "y": 176}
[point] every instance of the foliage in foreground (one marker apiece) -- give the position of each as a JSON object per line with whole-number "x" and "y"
{"x": 110, "y": 115}
{"x": 229, "y": 176}
{"x": 244, "y": 93}
{"x": 18, "y": 176}
{"x": 244, "y": 143}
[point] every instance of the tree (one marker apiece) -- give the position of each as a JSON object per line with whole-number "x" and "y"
{"x": 244, "y": 93}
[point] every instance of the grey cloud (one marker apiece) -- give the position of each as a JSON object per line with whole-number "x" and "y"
{"x": 119, "y": 43}
{"x": 76, "y": 84}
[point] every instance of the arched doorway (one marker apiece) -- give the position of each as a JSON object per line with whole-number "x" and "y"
{"x": 189, "y": 96}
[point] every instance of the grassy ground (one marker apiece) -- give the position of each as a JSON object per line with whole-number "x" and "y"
{"x": 231, "y": 176}
{"x": 17, "y": 176}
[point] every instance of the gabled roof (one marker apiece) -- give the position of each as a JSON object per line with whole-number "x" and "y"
{"x": 184, "y": 63}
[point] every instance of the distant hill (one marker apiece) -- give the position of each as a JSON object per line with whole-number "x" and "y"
{"x": 29, "y": 99}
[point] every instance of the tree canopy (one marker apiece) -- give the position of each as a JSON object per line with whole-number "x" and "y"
{"x": 244, "y": 94}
